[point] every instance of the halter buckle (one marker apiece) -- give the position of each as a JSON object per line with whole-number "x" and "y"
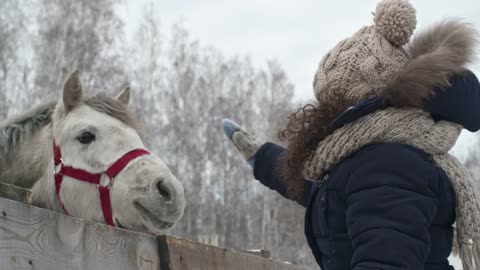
{"x": 57, "y": 169}
{"x": 109, "y": 183}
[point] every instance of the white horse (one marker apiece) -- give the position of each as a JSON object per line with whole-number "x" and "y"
{"x": 84, "y": 157}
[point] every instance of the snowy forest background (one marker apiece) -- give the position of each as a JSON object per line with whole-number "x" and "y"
{"x": 181, "y": 91}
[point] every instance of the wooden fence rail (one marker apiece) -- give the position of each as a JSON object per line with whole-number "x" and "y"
{"x": 36, "y": 238}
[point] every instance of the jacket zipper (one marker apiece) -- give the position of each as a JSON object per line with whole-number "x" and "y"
{"x": 324, "y": 179}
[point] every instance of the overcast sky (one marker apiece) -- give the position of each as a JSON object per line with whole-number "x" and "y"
{"x": 296, "y": 33}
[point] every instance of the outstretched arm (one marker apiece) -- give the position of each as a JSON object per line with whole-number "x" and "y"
{"x": 263, "y": 158}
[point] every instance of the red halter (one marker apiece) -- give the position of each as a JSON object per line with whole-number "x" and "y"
{"x": 94, "y": 178}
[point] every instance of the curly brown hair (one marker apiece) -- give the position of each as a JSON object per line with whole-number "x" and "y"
{"x": 306, "y": 127}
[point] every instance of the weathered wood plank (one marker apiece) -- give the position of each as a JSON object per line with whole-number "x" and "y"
{"x": 181, "y": 254}
{"x": 14, "y": 193}
{"x": 35, "y": 238}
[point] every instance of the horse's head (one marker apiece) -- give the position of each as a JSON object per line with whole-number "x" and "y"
{"x": 94, "y": 133}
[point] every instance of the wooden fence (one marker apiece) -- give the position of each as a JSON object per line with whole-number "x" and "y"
{"x": 36, "y": 238}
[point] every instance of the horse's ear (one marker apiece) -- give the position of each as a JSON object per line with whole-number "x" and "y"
{"x": 124, "y": 96}
{"x": 72, "y": 91}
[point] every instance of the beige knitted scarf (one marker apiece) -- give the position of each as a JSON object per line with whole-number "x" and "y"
{"x": 416, "y": 128}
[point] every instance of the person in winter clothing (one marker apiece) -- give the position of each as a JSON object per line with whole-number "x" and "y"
{"x": 369, "y": 159}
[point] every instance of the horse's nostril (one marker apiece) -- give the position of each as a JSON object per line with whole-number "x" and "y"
{"x": 164, "y": 190}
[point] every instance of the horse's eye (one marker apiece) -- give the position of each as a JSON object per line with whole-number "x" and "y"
{"x": 86, "y": 137}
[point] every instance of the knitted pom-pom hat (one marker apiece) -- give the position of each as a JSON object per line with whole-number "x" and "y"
{"x": 382, "y": 60}
{"x": 360, "y": 66}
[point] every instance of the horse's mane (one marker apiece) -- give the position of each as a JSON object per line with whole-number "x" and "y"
{"x": 14, "y": 131}
{"x": 20, "y": 128}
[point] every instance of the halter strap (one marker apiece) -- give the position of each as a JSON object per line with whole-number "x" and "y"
{"x": 93, "y": 178}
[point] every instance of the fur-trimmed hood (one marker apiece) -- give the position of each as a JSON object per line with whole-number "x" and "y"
{"x": 459, "y": 102}
{"x": 435, "y": 54}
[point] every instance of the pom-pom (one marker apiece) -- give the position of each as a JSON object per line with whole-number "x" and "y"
{"x": 395, "y": 20}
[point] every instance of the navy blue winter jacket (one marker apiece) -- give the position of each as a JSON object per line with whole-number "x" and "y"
{"x": 387, "y": 206}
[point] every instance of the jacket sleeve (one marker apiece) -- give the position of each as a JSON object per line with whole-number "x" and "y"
{"x": 390, "y": 206}
{"x": 267, "y": 172}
